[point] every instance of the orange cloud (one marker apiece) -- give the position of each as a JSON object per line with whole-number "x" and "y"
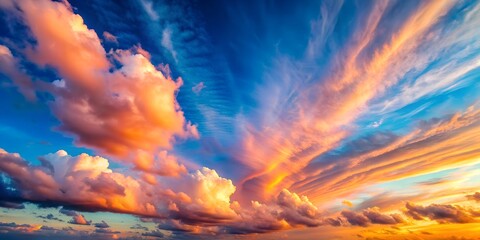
{"x": 434, "y": 146}
{"x": 128, "y": 112}
{"x": 317, "y": 119}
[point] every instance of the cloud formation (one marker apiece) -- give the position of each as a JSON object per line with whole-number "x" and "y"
{"x": 367, "y": 111}
{"x": 143, "y": 114}
{"x": 371, "y": 216}
{"x": 442, "y": 213}
{"x": 10, "y": 67}
{"x": 474, "y": 197}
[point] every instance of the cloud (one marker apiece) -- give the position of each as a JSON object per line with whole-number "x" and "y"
{"x": 297, "y": 210}
{"x": 371, "y": 216}
{"x": 154, "y": 233}
{"x": 289, "y": 210}
{"x": 430, "y": 147}
{"x": 9, "y": 66}
{"x": 198, "y": 202}
{"x": 198, "y": 88}
{"x": 474, "y": 197}
{"x": 78, "y": 181}
{"x": 442, "y": 213}
{"x": 149, "y": 9}
{"x": 167, "y": 42}
{"x": 12, "y": 226}
{"x": 12, "y": 205}
{"x": 106, "y": 231}
{"x": 86, "y": 183}
{"x": 101, "y": 224}
{"x": 177, "y": 226}
{"x": 110, "y": 37}
{"x": 354, "y": 218}
{"x": 139, "y": 227}
{"x": 143, "y": 113}
{"x": 347, "y": 203}
{"x": 50, "y": 217}
{"x": 301, "y": 119}
{"x": 14, "y": 231}
{"x": 77, "y": 218}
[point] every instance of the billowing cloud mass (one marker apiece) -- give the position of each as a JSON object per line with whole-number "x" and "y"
{"x": 177, "y": 120}
{"x": 443, "y": 213}
{"x": 371, "y": 215}
{"x": 200, "y": 198}
{"x": 124, "y": 112}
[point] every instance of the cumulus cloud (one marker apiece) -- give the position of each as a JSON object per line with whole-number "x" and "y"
{"x": 77, "y": 218}
{"x": 14, "y": 230}
{"x": 297, "y": 210}
{"x": 442, "y": 213}
{"x": 354, "y": 218}
{"x": 83, "y": 181}
{"x": 289, "y": 210}
{"x": 15, "y": 226}
{"x": 198, "y": 202}
{"x": 154, "y": 233}
{"x": 86, "y": 182}
{"x": 124, "y": 112}
{"x": 371, "y": 216}
{"x": 101, "y": 224}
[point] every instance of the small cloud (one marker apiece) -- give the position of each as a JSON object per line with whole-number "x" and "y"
{"x": 59, "y": 83}
{"x": 474, "y": 197}
{"x": 198, "y": 88}
{"x": 77, "y": 218}
{"x": 110, "y": 37}
{"x": 50, "y": 217}
{"x": 139, "y": 227}
{"x": 154, "y": 233}
{"x": 106, "y": 231}
{"x": 376, "y": 124}
{"x": 148, "y": 7}
{"x": 167, "y": 42}
{"x": 102, "y": 224}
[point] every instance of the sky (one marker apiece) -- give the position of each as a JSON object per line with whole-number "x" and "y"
{"x": 143, "y": 119}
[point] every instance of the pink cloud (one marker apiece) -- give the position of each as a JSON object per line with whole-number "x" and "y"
{"x": 198, "y": 202}
{"x": 198, "y": 88}
{"x": 10, "y": 67}
{"x": 128, "y": 112}
{"x": 110, "y": 37}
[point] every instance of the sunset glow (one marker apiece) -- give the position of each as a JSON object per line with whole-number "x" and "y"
{"x": 145, "y": 119}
